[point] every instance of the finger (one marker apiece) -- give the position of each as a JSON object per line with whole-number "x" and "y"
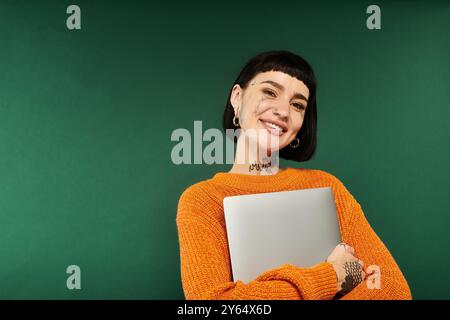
{"x": 361, "y": 263}
{"x": 344, "y": 246}
{"x": 350, "y": 249}
{"x": 363, "y": 273}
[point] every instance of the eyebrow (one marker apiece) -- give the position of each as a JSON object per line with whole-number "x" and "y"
{"x": 280, "y": 87}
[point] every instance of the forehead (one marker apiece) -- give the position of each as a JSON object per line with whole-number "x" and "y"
{"x": 288, "y": 82}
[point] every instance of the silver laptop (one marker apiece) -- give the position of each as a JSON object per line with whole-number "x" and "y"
{"x": 266, "y": 230}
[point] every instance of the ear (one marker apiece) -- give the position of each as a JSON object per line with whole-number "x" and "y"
{"x": 236, "y": 99}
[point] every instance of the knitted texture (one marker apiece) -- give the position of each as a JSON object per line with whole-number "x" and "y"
{"x": 204, "y": 254}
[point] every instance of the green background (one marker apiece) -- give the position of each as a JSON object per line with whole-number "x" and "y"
{"x": 86, "y": 116}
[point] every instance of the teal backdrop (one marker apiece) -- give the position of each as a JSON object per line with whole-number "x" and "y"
{"x": 86, "y": 117}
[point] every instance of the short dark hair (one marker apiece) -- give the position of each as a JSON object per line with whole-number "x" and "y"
{"x": 297, "y": 67}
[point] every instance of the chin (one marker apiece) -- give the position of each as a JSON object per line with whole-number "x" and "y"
{"x": 266, "y": 138}
{"x": 269, "y": 146}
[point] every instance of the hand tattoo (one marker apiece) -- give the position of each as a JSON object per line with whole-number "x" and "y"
{"x": 353, "y": 276}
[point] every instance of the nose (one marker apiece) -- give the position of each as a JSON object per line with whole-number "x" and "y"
{"x": 281, "y": 111}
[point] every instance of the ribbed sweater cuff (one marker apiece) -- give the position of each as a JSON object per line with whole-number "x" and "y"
{"x": 315, "y": 283}
{"x": 322, "y": 279}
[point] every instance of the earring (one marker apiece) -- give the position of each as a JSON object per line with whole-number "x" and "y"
{"x": 295, "y": 145}
{"x": 236, "y": 121}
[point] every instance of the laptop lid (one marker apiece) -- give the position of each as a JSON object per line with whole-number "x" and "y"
{"x": 266, "y": 230}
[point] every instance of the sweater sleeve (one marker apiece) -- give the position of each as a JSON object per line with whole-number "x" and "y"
{"x": 206, "y": 271}
{"x": 372, "y": 251}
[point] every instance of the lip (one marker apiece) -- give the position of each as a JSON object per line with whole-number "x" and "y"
{"x": 273, "y": 131}
{"x": 278, "y": 123}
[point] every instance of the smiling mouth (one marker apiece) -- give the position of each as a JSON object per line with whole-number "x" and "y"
{"x": 273, "y": 128}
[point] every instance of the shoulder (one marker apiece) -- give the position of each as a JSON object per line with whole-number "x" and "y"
{"x": 341, "y": 192}
{"x": 195, "y": 192}
{"x": 318, "y": 175}
{"x": 196, "y": 198}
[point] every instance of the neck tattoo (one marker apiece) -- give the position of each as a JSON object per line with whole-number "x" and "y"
{"x": 259, "y": 166}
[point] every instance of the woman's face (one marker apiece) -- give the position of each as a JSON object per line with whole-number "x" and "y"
{"x": 273, "y": 103}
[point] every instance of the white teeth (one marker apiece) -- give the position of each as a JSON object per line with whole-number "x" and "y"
{"x": 274, "y": 126}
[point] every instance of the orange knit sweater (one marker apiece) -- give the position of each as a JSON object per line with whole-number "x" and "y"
{"x": 205, "y": 261}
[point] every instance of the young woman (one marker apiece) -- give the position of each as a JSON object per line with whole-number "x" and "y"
{"x": 275, "y": 94}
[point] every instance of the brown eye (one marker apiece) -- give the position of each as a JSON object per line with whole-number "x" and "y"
{"x": 299, "y": 106}
{"x": 270, "y": 92}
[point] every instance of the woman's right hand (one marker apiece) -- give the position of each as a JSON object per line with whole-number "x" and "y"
{"x": 349, "y": 269}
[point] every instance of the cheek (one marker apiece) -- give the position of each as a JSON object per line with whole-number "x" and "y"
{"x": 261, "y": 106}
{"x": 253, "y": 108}
{"x": 297, "y": 122}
